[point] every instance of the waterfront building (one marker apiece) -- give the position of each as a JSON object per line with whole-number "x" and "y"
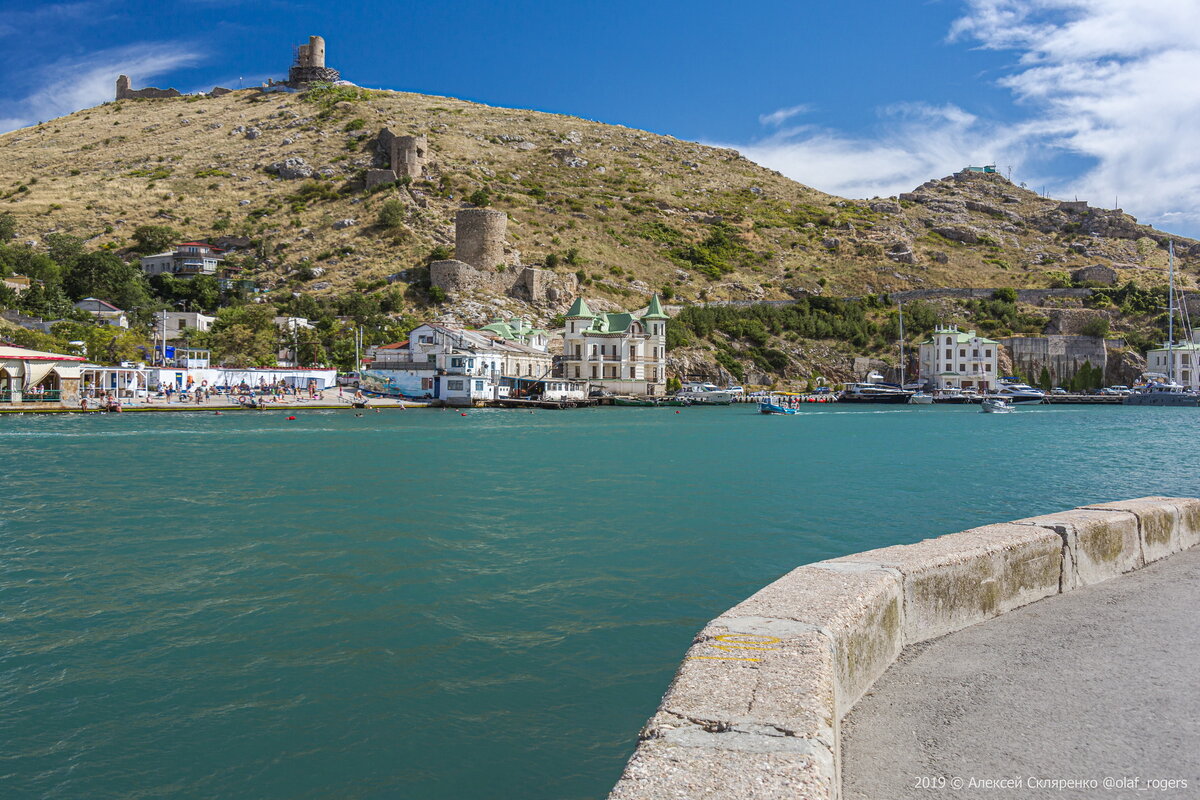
{"x": 180, "y": 377}
{"x": 1181, "y": 361}
{"x": 29, "y": 377}
{"x": 105, "y": 313}
{"x": 462, "y": 366}
{"x": 954, "y": 359}
{"x": 619, "y": 352}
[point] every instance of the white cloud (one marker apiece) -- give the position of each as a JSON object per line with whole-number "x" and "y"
{"x": 782, "y": 115}
{"x": 71, "y": 84}
{"x": 1108, "y": 81}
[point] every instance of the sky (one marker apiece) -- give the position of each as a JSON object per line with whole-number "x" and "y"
{"x": 1090, "y": 99}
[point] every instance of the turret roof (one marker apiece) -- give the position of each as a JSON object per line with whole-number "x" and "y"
{"x": 579, "y": 309}
{"x": 654, "y": 311}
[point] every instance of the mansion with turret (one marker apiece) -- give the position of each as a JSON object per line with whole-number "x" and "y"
{"x": 619, "y": 352}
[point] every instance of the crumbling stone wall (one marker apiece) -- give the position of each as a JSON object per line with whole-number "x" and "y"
{"x": 1096, "y": 273}
{"x": 479, "y": 237}
{"x": 530, "y": 284}
{"x": 126, "y": 93}
{"x": 1061, "y": 356}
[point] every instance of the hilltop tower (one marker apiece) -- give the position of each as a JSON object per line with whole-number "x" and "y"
{"x": 309, "y": 66}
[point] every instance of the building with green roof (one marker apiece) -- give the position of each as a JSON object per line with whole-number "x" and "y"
{"x": 951, "y": 359}
{"x": 518, "y": 330}
{"x": 621, "y": 352}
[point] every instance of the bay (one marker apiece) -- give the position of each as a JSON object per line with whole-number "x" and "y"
{"x": 422, "y": 604}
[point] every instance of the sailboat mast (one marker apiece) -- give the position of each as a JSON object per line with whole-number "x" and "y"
{"x": 900, "y": 306}
{"x": 1171, "y": 315}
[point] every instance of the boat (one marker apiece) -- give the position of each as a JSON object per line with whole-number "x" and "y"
{"x": 634, "y": 401}
{"x": 996, "y": 405}
{"x": 1162, "y": 390}
{"x": 954, "y": 396}
{"x": 705, "y": 394}
{"x": 874, "y": 393}
{"x": 1161, "y": 393}
{"x": 1017, "y": 393}
{"x": 920, "y": 399}
{"x": 770, "y": 407}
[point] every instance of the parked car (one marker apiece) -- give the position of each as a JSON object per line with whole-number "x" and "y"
{"x": 1122, "y": 389}
{"x": 735, "y": 390}
{"x": 1058, "y": 390}
{"x": 352, "y": 379}
{"x": 1109, "y": 391}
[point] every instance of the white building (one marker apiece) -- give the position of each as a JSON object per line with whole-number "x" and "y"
{"x": 621, "y": 353}
{"x": 186, "y": 260}
{"x": 1181, "y": 362}
{"x": 171, "y": 325}
{"x": 462, "y": 367}
{"x": 953, "y": 359}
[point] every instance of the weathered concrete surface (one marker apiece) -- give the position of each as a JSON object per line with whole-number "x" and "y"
{"x": 1098, "y": 682}
{"x": 963, "y": 578}
{"x": 1099, "y": 544}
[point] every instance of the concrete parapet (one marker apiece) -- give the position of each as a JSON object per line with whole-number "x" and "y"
{"x": 1097, "y": 545}
{"x": 755, "y": 710}
{"x": 963, "y": 578}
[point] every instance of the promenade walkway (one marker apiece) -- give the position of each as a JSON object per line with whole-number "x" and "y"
{"x": 1099, "y": 683}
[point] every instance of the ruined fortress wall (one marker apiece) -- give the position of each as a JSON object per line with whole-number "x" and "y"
{"x": 408, "y": 155}
{"x": 1062, "y": 356}
{"x": 126, "y": 93}
{"x": 479, "y": 237}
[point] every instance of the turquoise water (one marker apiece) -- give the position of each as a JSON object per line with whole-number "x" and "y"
{"x": 424, "y": 605}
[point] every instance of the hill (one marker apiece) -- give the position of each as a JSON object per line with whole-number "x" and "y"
{"x": 628, "y": 212}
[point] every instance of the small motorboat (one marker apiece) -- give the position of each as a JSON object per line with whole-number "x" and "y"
{"x": 920, "y": 399}
{"x": 996, "y": 405}
{"x": 769, "y": 407}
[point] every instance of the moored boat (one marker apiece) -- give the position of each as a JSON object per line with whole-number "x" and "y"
{"x": 874, "y": 393}
{"x": 1017, "y": 393}
{"x": 770, "y": 407}
{"x": 706, "y": 394}
{"x": 921, "y": 399}
{"x": 634, "y": 401}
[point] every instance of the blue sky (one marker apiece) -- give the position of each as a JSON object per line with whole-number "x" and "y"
{"x": 1091, "y": 99}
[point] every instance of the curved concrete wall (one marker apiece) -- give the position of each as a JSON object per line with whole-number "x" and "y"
{"x": 755, "y": 709}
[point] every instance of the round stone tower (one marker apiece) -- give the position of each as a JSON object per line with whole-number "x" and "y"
{"x": 479, "y": 237}
{"x": 316, "y": 51}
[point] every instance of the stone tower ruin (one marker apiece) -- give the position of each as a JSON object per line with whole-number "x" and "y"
{"x": 479, "y": 237}
{"x": 309, "y": 66}
{"x": 406, "y": 155}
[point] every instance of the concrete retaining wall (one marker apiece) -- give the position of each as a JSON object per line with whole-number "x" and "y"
{"x": 755, "y": 709}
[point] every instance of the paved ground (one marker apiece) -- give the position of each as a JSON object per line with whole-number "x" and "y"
{"x": 1100, "y": 683}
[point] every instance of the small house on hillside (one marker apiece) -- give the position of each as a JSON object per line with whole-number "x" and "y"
{"x": 105, "y": 313}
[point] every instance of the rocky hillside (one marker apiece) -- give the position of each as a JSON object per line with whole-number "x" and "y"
{"x": 629, "y": 212}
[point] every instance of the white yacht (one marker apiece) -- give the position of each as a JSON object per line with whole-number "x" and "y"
{"x": 1017, "y": 393}
{"x": 708, "y": 394}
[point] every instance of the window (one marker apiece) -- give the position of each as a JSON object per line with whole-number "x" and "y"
{"x": 479, "y": 386}
{"x": 576, "y": 372}
{"x": 949, "y": 340}
{"x": 987, "y": 353}
{"x": 975, "y": 353}
{"x": 987, "y": 367}
{"x": 454, "y": 386}
{"x": 962, "y": 352}
{"x": 949, "y": 366}
{"x": 456, "y": 362}
{"x": 578, "y": 350}
{"x": 949, "y": 353}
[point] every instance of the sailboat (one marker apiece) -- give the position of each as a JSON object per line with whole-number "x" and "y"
{"x": 1166, "y": 392}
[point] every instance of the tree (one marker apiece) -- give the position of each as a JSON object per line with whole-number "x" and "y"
{"x": 244, "y": 336}
{"x": 154, "y": 238}
{"x": 1007, "y": 295}
{"x": 1096, "y": 326}
{"x": 392, "y": 213}
{"x": 106, "y": 276}
{"x": 480, "y": 197}
{"x": 1044, "y": 380}
{"x": 64, "y": 249}
{"x": 8, "y": 226}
